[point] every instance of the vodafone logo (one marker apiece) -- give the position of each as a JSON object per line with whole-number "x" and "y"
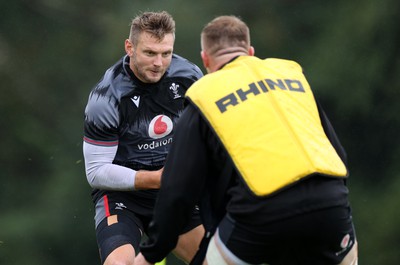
{"x": 160, "y": 126}
{"x": 345, "y": 241}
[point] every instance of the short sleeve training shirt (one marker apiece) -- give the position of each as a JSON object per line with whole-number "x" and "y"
{"x": 138, "y": 117}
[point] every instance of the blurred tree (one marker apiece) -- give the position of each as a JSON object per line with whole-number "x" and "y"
{"x": 44, "y": 61}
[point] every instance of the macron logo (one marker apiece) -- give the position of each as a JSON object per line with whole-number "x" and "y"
{"x": 136, "y": 100}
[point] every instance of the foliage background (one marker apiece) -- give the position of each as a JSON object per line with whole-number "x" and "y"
{"x": 53, "y": 51}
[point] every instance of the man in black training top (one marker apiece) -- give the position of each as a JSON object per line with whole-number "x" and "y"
{"x": 129, "y": 123}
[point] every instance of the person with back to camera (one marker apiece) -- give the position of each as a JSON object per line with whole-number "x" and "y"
{"x": 129, "y": 123}
{"x": 258, "y": 153}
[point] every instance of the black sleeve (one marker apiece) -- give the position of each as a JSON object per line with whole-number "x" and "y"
{"x": 331, "y": 134}
{"x": 181, "y": 186}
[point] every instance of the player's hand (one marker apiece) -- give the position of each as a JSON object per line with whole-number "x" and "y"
{"x": 146, "y": 179}
{"x": 140, "y": 260}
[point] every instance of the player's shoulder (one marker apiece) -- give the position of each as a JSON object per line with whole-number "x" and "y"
{"x": 113, "y": 82}
{"x": 278, "y": 62}
{"x": 182, "y": 67}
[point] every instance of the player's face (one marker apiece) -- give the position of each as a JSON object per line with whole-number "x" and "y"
{"x": 151, "y": 57}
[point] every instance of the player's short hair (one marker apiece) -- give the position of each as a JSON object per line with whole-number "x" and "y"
{"x": 225, "y": 32}
{"x": 157, "y": 24}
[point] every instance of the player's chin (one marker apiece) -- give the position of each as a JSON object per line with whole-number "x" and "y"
{"x": 154, "y": 78}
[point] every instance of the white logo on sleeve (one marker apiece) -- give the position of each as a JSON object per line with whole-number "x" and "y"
{"x": 160, "y": 126}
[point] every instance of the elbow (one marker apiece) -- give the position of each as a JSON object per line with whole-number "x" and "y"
{"x": 92, "y": 180}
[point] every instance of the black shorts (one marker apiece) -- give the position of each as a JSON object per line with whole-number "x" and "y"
{"x": 121, "y": 220}
{"x": 322, "y": 237}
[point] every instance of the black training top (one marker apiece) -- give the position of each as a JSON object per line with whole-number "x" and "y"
{"x": 137, "y": 117}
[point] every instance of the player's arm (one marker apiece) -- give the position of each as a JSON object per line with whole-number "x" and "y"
{"x": 100, "y": 147}
{"x": 182, "y": 185}
{"x": 331, "y": 134}
{"x": 146, "y": 179}
{"x": 101, "y": 173}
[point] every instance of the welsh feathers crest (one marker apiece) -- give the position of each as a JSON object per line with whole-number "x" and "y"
{"x": 174, "y": 88}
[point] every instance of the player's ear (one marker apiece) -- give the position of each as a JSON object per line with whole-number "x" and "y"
{"x": 205, "y": 59}
{"x": 128, "y": 47}
{"x": 251, "y": 51}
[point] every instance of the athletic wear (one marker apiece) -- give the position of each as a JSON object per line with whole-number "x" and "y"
{"x": 321, "y": 237}
{"x": 274, "y": 105}
{"x": 199, "y": 168}
{"x": 118, "y": 224}
{"x": 129, "y": 126}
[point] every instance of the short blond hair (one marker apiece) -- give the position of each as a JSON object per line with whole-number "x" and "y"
{"x": 157, "y": 24}
{"x": 225, "y": 32}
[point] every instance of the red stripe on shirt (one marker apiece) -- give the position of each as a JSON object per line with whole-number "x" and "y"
{"x": 106, "y": 206}
{"x": 102, "y": 143}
